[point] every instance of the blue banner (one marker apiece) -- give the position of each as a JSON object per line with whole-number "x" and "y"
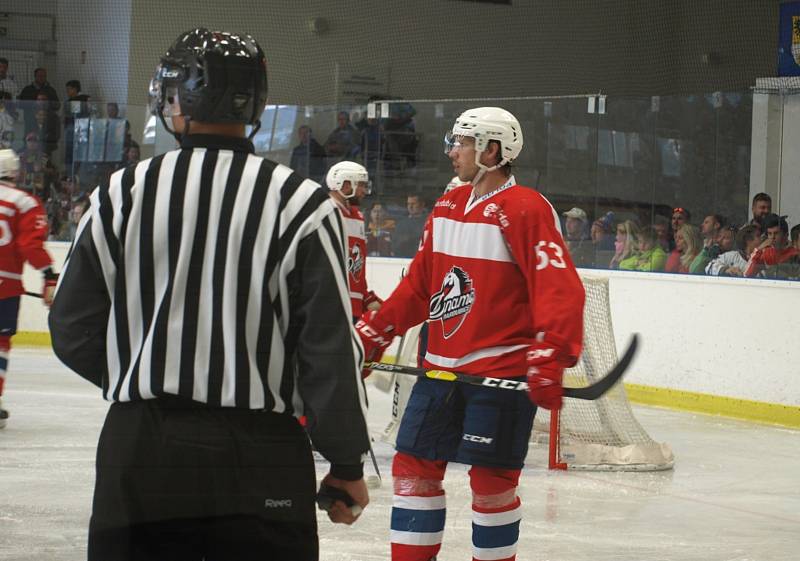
{"x": 789, "y": 40}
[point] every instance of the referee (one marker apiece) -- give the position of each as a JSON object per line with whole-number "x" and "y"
{"x": 205, "y": 293}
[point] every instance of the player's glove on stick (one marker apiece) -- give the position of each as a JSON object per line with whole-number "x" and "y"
{"x": 49, "y": 288}
{"x": 376, "y": 335}
{"x": 545, "y": 371}
{"x": 372, "y": 301}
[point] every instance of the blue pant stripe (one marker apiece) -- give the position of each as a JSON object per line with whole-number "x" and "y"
{"x": 487, "y": 537}
{"x": 407, "y": 520}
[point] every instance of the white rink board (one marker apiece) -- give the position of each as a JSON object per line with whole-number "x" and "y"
{"x": 721, "y": 336}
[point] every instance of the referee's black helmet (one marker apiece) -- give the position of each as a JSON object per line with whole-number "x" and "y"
{"x": 213, "y": 77}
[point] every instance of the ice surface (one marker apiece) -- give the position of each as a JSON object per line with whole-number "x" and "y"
{"x": 734, "y": 494}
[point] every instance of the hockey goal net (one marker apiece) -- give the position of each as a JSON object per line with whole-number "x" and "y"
{"x": 599, "y": 435}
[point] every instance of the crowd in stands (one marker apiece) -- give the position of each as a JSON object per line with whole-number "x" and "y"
{"x": 765, "y": 247}
{"x": 52, "y": 138}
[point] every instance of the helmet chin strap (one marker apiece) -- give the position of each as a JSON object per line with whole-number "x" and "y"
{"x": 482, "y": 169}
{"x": 256, "y": 128}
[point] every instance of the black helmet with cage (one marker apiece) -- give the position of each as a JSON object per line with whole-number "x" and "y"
{"x": 213, "y": 77}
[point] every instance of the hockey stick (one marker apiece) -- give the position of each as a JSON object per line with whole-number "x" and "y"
{"x": 590, "y": 392}
{"x": 33, "y": 294}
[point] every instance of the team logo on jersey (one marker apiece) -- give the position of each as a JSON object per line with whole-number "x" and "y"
{"x": 453, "y": 301}
{"x": 355, "y": 262}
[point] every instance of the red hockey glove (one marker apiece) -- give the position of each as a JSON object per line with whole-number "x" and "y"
{"x": 545, "y": 371}
{"x": 372, "y": 301}
{"x": 49, "y": 288}
{"x": 376, "y": 335}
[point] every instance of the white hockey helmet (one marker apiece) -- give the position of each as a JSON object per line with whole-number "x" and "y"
{"x": 346, "y": 171}
{"x": 9, "y": 164}
{"x": 453, "y": 183}
{"x": 485, "y": 124}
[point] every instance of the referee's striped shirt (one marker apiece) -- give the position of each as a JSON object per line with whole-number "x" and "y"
{"x": 215, "y": 275}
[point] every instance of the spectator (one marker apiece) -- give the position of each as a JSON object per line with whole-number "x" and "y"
{"x": 733, "y": 263}
{"x": 664, "y": 236}
{"x": 133, "y": 154}
{"x": 710, "y": 230}
{"x": 795, "y": 235}
{"x": 112, "y": 110}
{"x": 7, "y": 83}
{"x": 372, "y": 143}
{"x": 40, "y": 85}
{"x": 409, "y": 229}
{"x": 680, "y": 216}
{"x": 46, "y": 125}
{"x": 603, "y": 240}
{"x": 767, "y": 259}
{"x": 75, "y": 214}
{"x": 400, "y": 137}
{"x": 688, "y": 244}
{"x": 308, "y": 157}
{"x": 7, "y": 120}
{"x": 761, "y": 207}
{"x": 379, "y": 232}
{"x": 344, "y": 141}
{"x": 73, "y": 89}
{"x": 651, "y": 256}
{"x": 625, "y": 243}
{"x": 576, "y": 235}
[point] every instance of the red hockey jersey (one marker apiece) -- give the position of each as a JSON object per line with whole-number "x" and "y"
{"x": 356, "y": 256}
{"x": 23, "y": 231}
{"x": 492, "y": 274}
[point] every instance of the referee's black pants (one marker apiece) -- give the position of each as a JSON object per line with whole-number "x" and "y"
{"x": 177, "y": 481}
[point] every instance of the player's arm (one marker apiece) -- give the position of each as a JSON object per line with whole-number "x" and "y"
{"x": 328, "y": 352}
{"x": 33, "y": 230}
{"x": 81, "y": 307}
{"x": 555, "y": 293}
{"x": 406, "y": 307}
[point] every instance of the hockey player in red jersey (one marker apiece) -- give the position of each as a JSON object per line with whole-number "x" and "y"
{"x": 349, "y": 184}
{"x": 23, "y": 231}
{"x": 503, "y": 299}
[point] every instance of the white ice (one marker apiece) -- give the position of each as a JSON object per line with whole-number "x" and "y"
{"x": 734, "y": 494}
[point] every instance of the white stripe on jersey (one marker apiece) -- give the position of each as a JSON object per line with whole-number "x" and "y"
{"x": 7, "y": 275}
{"x": 202, "y": 356}
{"x": 353, "y": 227}
{"x": 489, "y": 352}
{"x": 133, "y": 289}
{"x": 20, "y": 199}
{"x": 469, "y": 239}
{"x": 241, "y": 207}
{"x": 177, "y": 304}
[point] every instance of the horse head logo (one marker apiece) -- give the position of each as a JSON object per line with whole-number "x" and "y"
{"x": 453, "y": 301}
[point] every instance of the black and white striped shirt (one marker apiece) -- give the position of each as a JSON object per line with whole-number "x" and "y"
{"x": 215, "y": 275}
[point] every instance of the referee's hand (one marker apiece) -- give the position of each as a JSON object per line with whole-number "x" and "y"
{"x": 340, "y": 513}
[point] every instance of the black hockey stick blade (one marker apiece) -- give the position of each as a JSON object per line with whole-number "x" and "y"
{"x": 591, "y": 392}
{"x": 599, "y": 388}
{"x": 32, "y": 294}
